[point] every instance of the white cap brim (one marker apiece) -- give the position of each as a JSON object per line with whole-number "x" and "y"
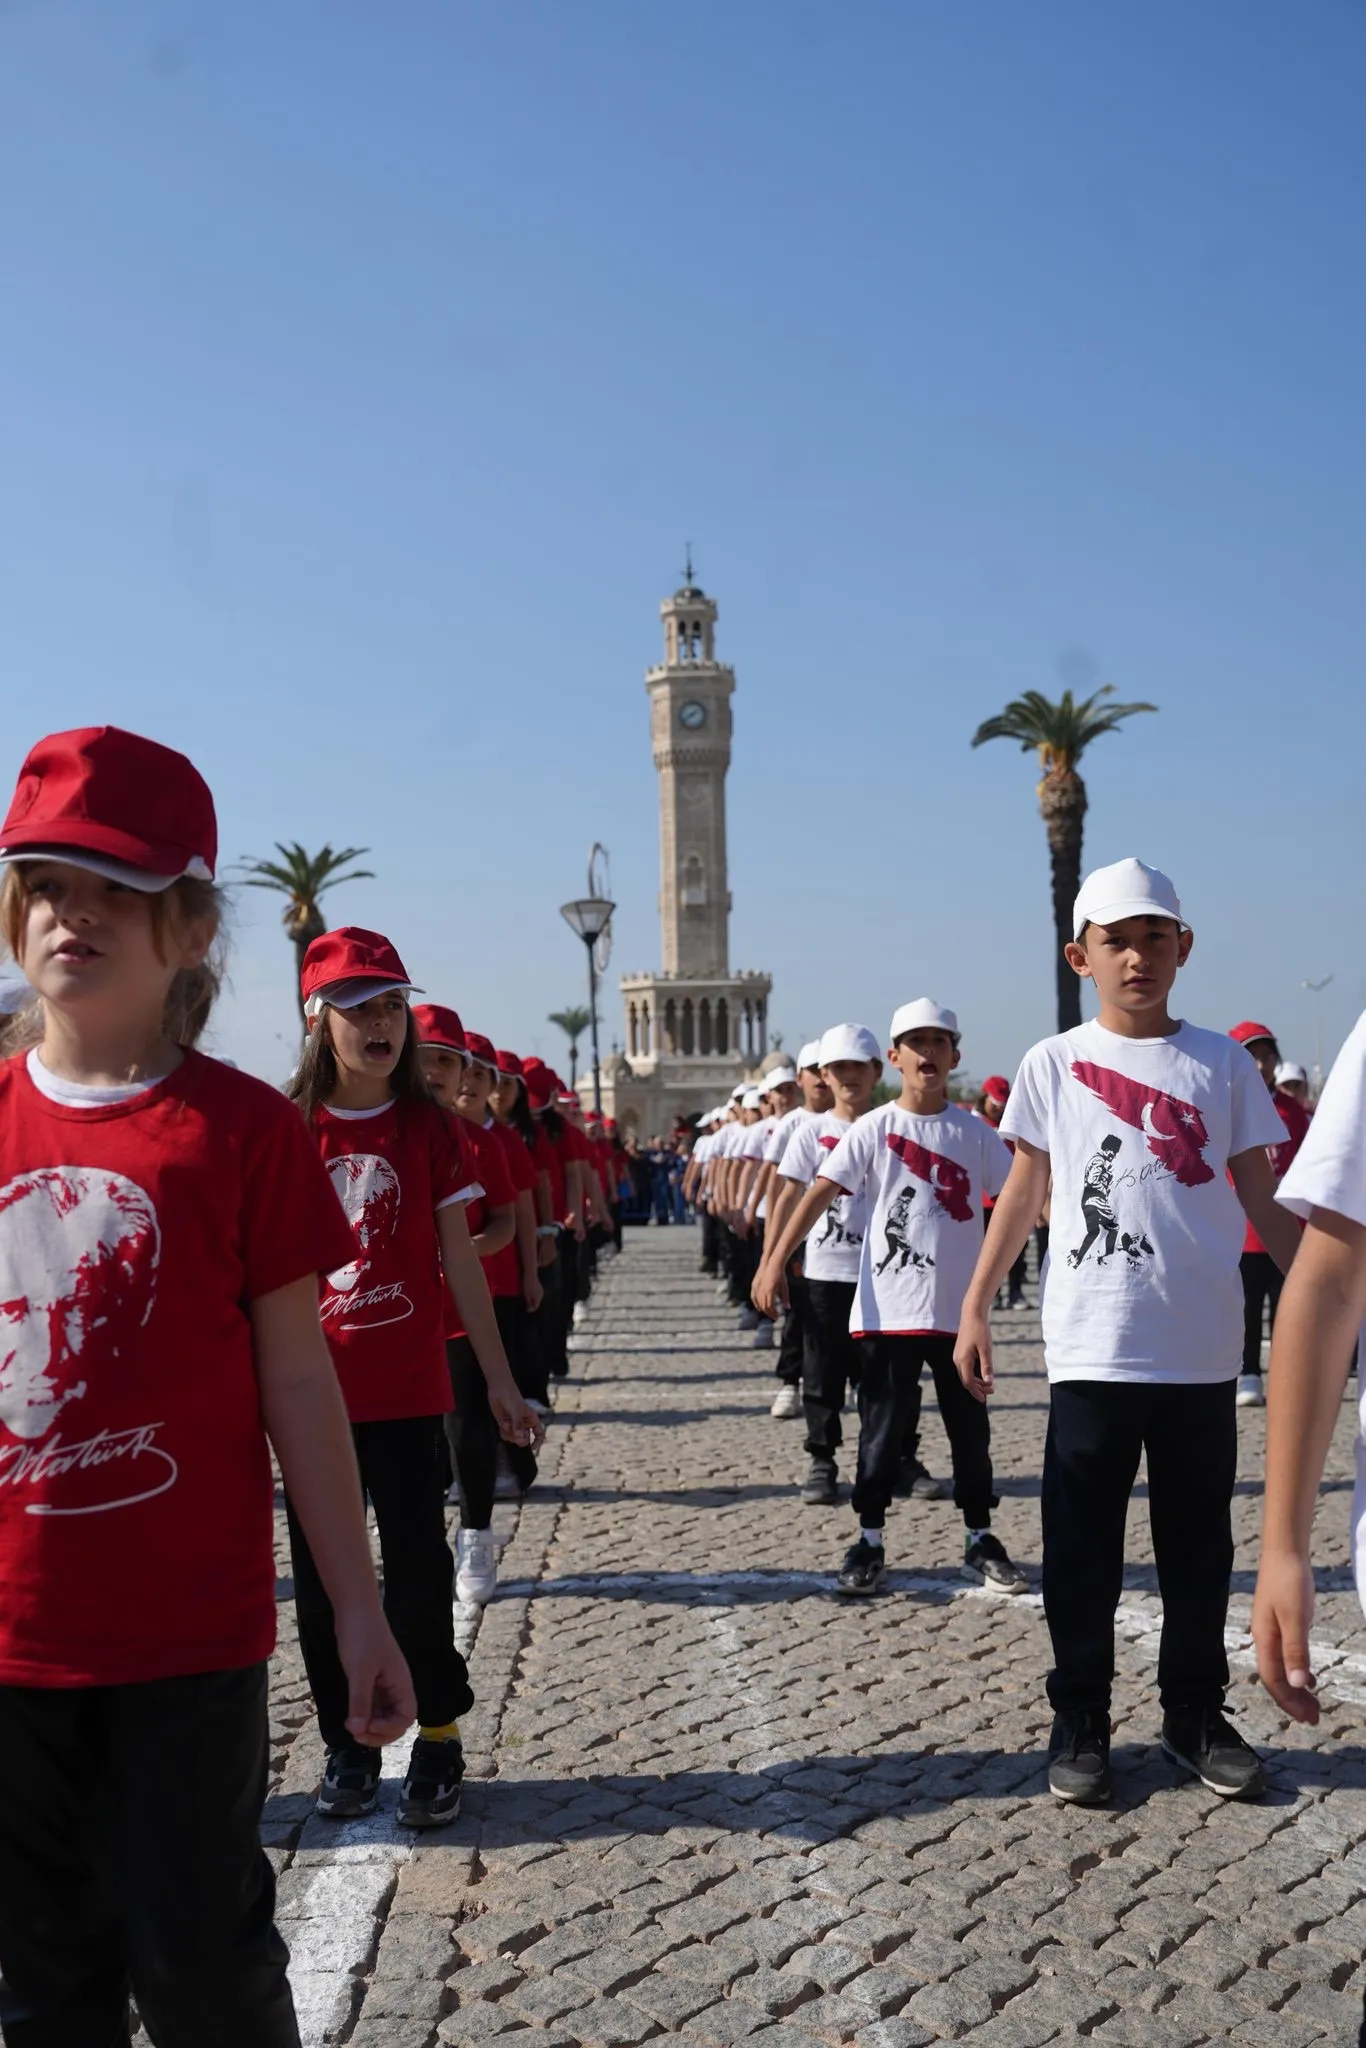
{"x": 1115, "y": 913}
{"x": 93, "y": 864}
{"x": 349, "y": 995}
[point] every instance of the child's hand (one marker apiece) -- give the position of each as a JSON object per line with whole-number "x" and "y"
{"x": 972, "y": 1355}
{"x": 533, "y": 1294}
{"x": 769, "y": 1292}
{"x": 381, "y": 1702}
{"x": 517, "y": 1422}
{"x": 1282, "y": 1613}
{"x": 547, "y": 1251}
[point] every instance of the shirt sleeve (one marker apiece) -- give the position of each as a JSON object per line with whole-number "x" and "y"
{"x": 1027, "y": 1114}
{"x": 849, "y": 1163}
{"x": 995, "y": 1161}
{"x": 801, "y": 1156}
{"x": 1255, "y": 1118}
{"x": 1329, "y": 1170}
{"x": 293, "y": 1225}
{"x": 754, "y": 1144}
{"x": 494, "y": 1172}
{"x": 455, "y": 1174}
{"x": 521, "y": 1167}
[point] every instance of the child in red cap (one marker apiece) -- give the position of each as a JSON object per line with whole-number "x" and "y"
{"x": 403, "y": 1177}
{"x": 163, "y": 1222}
{"x": 991, "y": 1107}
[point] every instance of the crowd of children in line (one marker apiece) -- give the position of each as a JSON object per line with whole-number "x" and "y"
{"x": 373, "y": 1275}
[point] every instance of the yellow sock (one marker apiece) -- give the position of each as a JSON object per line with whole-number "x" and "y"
{"x": 450, "y": 1733}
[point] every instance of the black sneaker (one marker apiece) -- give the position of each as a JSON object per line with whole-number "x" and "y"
{"x": 1206, "y": 1743}
{"x": 819, "y": 1488}
{"x": 350, "y": 1784}
{"x": 864, "y": 1567}
{"x": 913, "y": 1482}
{"x": 431, "y": 1791}
{"x": 1079, "y": 1759}
{"x": 986, "y": 1560}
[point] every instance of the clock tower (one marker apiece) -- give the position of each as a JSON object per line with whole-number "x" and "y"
{"x": 695, "y": 1028}
{"x": 690, "y": 697}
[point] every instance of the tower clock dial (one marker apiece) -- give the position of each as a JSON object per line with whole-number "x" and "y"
{"x": 692, "y": 716}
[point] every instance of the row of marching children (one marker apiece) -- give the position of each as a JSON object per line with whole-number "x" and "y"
{"x": 370, "y": 1276}
{"x": 1161, "y": 1150}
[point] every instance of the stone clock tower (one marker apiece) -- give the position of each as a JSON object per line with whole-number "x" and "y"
{"x": 695, "y": 1029}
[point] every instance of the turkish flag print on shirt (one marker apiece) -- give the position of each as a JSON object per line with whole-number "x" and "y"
{"x": 923, "y": 1177}
{"x": 136, "y": 1537}
{"x": 383, "y": 1313}
{"x": 834, "y": 1248}
{"x": 1142, "y": 1280}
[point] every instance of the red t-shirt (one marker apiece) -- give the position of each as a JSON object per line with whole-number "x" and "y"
{"x": 1295, "y": 1117}
{"x": 490, "y": 1169}
{"x": 505, "y": 1267}
{"x": 384, "y": 1312}
{"x": 136, "y": 1537}
{"x": 549, "y": 1156}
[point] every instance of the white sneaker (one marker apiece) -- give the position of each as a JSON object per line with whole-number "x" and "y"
{"x": 1250, "y": 1394}
{"x": 787, "y": 1404}
{"x": 506, "y": 1486}
{"x": 580, "y": 1313}
{"x": 762, "y": 1340}
{"x": 476, "y": 1567}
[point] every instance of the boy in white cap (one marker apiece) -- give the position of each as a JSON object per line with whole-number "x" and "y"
{"x": 778, "y": 1094}
{"x": 1155, "y": 1134}
{"x": 922, "y": 1164}
{"x": 850, "y": 1059}
{"x": 815, "y": 1099}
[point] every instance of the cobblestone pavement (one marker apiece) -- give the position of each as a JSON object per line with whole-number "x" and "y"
{"x": 711, "y": 1799}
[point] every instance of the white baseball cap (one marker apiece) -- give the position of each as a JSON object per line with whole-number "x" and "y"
{"x": 810, "y": 1054}
{"x": 751, "y": 1099}
{"x": 1290, "y": 1070}
{"x": 924, "y": 1014}
{"x": 849, "y": 1042}
{"x": 1127, "y": 888}
{"x": 781, "y": 1077}
{"x": 740, "y": 1088}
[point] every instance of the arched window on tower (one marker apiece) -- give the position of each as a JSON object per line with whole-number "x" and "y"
{"x": 645, "y": 1030}
{"x": 704, "y": 1026}
{"x": 694, "y": 883}
{"x": 632, "y": 1030}
{"x": 687, "y": 1025}
{"x": 722, "y": 1026}
{"x": 670, "y": 1026}
{"x": 763, "y": 1029}
{"x": 747, "y": 1043}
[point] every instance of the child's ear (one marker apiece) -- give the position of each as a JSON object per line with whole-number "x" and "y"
{"x": 1074, "y": 953}
{"x": 957, "y": 1058}
{"x": 1185, "y": 941}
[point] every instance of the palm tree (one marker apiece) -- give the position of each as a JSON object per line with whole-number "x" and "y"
{"x": 1060, "y": 734}
{"x": 572, "y": 1022}
{"x": 304, "y": 879}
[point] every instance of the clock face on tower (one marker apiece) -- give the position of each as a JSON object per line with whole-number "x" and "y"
{"x": 692, "y": 715}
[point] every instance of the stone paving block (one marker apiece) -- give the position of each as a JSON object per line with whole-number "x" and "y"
{"x": 952, "y": 2008}
{"x": 779, "y": 1991}
{"x": 721, "y": 2025}
{"x": 882, "y": 1990}
{"x": 671, "y": 1997}
{"x": 498, "y": 1934}
{"x": 412, "y": 1945}
{"x": 612, "y": 2023}
{"x": 1010, "y": 2029}
{"x": 1148, "y": 2030}
{"x": 900, "y": 2033}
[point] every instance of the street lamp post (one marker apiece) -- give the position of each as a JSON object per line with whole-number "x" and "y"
{"x": 589, "y": 917}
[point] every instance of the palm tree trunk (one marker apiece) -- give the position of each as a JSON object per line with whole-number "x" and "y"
{"x": 303, "y": 931}
{"x": 1062, "y": 801}
{"x": 573, "y": 1067}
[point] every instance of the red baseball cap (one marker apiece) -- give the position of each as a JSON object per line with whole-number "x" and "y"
{"x": 997, "y": 1087}
{"x": 509, "y": 1063}
{"x": 437, "y": 1025}
{"x": 1248, "y": 1033}
{"x": 115, "y": 804}
{"x": 348, "y": 966}
{"x": 480, "y": 1049}
{"x": 540, "y": 1088}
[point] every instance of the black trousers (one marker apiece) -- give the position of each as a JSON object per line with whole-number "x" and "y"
{"x": 1262, "y": 1284}
{"x": 401, "y": 1468}
{"x": 830, "y": 1364}
{"x": 130, "y": 1860}
{"x": 792, "y": 1343}
{"x": 742, "y": 1263}
{"x": 472, "y": 1435}
{"x": 510, "y": 1313}
{"x": 1097, "y": 1430}
{"x": 889, "y": 1399}
{"x": 711, "y": 1243}
{"x": 554, "y": 1319}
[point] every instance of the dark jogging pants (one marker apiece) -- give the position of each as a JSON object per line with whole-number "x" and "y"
{"x": 401, "y": 1468}
{"x": 888, "y": 1395}
{"x": 1097, "y": 1431}
{"x": 792, "y": 1343}
{"x": 830, "y": 1364}
{"x": 1262, "y": 1283}
{"x": 130, "y": 1861}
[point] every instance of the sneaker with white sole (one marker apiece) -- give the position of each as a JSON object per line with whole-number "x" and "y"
{"x": 431, "y": 1790}
{"x": 580, "y": 1314}
{"x": 762, "y": 1340}
{"x": 1250, "y": 1394}
{"x": 787, "y": 1404}
{"x": 350, "y": 1783}
{"x": 1206, "y": 1743}
{"x": 476, "y": 1566}
{"x": 986, "y": 1561}
{"x": 864, "y": 1569}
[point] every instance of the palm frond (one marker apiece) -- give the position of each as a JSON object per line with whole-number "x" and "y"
{"x": 1062, "y": 731}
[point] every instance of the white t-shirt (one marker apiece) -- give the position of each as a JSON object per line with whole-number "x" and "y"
{"x": 755, "y": 1147}
{"x": 1146, "y": 1233}
{"x": 923, "y": 1177}
{"x": 780, "y": 1137}
{"x": 835, "y": 1246}
{"x": 1329, "y": 1172}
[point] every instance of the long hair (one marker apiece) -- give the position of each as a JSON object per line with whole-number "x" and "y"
{"x": 193, "y": 991}
{"x": 552, "y": 1123}
{"x": 315, "y": 1079}
{"x": 521, "y": 1119}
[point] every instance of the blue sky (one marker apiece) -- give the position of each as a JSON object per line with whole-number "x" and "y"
{"x": 364, "y": 370}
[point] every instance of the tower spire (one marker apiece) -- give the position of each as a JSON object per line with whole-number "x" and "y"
{"x": 687, "y": 566}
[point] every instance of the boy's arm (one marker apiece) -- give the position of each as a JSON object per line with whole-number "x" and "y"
{"x": 770, "y": 1288}
{"x": 762, "y": 1182}
{"x": 1015, "y": 1214}
{"x": 1320, "y": 1314}
{"x": 470, "y": 1293}
{"x": 500, "y": 1225}
{"x": 306, "y": 1422}
{"x": 1254, "y": 1182}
